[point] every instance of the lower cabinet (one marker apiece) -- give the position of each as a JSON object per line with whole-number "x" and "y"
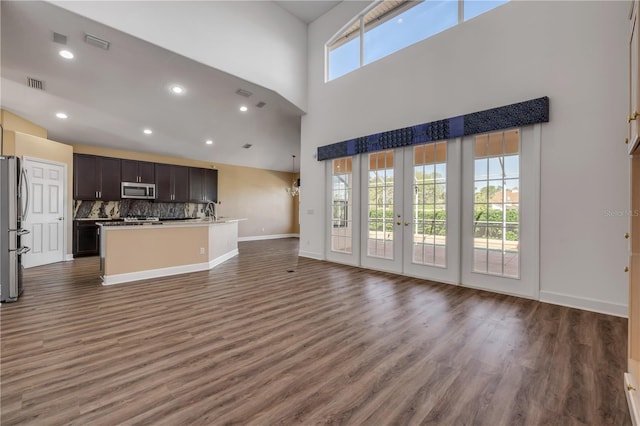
{"x": 86, "y": 238}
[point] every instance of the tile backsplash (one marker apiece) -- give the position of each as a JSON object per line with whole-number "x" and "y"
{"x": 123, "y": 208}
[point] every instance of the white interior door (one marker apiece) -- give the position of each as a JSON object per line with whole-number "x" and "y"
{"x": 45, "y": 212}
{"x": 500, "y": 211}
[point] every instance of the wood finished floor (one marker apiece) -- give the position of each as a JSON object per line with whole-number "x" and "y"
{"x": 250, "y": 343}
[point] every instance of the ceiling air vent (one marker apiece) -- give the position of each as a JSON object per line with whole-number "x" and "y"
{"x": 59, "y": 38}
{"x": 247, "y": 146}
{"x": 35, "y": 84}
{"x": 96, "y": 41}
{"x": 260, "y": 104}
{"x": 244, "y": 93}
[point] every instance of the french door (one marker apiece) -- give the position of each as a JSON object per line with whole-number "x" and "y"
{"x": 501, "y": 207}
{"x": 463, "y": 211}
{"x": 410, "y": 211}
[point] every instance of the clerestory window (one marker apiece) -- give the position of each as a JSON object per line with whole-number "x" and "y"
{"x": 388, "y": 26}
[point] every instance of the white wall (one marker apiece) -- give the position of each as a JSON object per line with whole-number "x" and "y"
{"x": 573, "y": 52}
{"x": 255, "y": 40}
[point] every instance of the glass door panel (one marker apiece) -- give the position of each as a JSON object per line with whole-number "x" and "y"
{"x": 496, "y": 198}
{"x": 380, "y": 206}
{"x": 342, "y": 206}
{"x": 429, "y": 204}
{"x": 343, "y": 211}
{"x": 501, "y": 179}
{"x": 431, "y": 209}
{"x": 382, "y": 201}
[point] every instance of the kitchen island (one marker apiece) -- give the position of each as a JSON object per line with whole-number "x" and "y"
{"x": 158, "y": 249}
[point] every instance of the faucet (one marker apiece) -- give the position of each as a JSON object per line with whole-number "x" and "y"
{"x": 210, "y": 210}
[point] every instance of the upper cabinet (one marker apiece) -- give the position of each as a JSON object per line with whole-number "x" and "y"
{"x": 172, "y": 183}
{"x": 634, "y": 93}
{"x": 203, "y": 185}
{"x": 211, "y": 185}
{"x": 99, "y": 178}
{"x": 138, "y": 171}
{"x": 96, "y": 178}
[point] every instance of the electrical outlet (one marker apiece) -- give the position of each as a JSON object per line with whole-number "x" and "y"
{"x": 201, "y": 250}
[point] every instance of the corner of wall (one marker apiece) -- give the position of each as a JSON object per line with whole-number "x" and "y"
{"x": 14, "y": 122}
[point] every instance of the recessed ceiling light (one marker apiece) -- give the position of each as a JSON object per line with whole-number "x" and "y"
{"x": 243, "y": 108}
{"x": 209, "y": 142}
{"x": 66, "y": 54}
{"x": 62, "y": 115}
{"x": 147, "y": 131}
{"x": 177, "y": 89}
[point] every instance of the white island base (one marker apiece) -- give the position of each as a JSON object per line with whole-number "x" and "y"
{"x": 132, "y": 253}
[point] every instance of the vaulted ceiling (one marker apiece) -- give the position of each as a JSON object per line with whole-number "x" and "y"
{"x": 111, "y": 96}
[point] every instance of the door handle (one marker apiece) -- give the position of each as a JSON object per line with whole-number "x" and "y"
{"x": 23, "y": 250}
{"x": 626, "y": 235}
{"x": 633, "y": 116}
{"x": 407, "y": 223}
{"x": 398, "y": 223}
{"x": 25, "y": 212}
{"x": 60, "y": 218}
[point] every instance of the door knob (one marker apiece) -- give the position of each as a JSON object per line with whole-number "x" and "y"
{"x": 626, "y": 140}
{"x": 626, "y": 235}
{"x": 626, "y": 269}
{"x": 407, "y": 223}
{"x": 399, "y": 223}
{"x": 60, "y": 218}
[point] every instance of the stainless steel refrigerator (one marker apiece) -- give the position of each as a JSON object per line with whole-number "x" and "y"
{"x": 12, "y": 209}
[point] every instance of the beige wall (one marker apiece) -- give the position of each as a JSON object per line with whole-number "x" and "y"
{"x": 163, "y": 248}
{"x": 244, "y": 192}
{"x": 44, "y": 149}
{"x": 11, "y": 122}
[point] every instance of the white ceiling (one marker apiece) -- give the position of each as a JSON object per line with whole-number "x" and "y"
{"x": 111, "y": 96}
{"x": 307, "y": 10}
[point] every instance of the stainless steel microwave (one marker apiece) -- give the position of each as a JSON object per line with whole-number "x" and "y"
{"x": 141, "y": 191}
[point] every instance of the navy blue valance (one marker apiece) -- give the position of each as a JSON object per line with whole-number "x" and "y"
{"x": 504, "y": 117}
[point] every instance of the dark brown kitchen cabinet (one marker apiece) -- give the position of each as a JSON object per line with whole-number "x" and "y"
{"x": 196, "y": 184}
{"x": 172, "y": 183}
{"x": 96, "y": 178}
{"x": 138, "y": 171}
{"x": 86, "y": 238}
{"x": 211, "y": 185}
{"x": 203, "y": 185}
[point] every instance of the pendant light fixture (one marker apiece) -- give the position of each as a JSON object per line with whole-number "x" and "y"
{"x": 295, "y": 184}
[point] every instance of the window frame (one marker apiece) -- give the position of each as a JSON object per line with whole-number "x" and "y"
{"x": 339, "y": 38}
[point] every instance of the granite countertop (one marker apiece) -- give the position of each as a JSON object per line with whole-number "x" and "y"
{"x": 96, "y": 219}
{"x": 171, "y": 223}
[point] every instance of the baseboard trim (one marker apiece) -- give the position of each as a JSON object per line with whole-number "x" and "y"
{"x": 632, "y": 398}
{"x": 220, "y": 259}
{"x": 268, "y": 237}
{"x": 68, "y": 257}
{"x": 164, "y": 272}
{"x": 153, "y": 273}
{"x": 585, "y": 303}
{"x": 310, "y": 255}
